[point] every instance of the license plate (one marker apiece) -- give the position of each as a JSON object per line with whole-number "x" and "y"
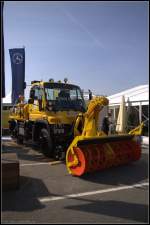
{"x": 58, "y": 131}
{"x": 21, "y": 130}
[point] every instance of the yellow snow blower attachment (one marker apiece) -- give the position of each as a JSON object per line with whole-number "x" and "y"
{"x": 93, "y": 150}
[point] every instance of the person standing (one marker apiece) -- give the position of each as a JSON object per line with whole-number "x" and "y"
{"x": 105, "y": 125}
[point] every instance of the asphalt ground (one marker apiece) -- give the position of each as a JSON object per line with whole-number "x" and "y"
{"x": 48, "y": 194}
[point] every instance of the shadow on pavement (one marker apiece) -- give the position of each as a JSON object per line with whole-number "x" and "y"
{"x": 130, "y": 211}
{"x": 26, "y": 197}
{"x": 125, "y": 174}
{"x": 25, "y": 152}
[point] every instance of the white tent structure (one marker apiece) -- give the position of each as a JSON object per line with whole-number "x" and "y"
{"x": 137, "y": 95}
{"x": 7, "y": 99}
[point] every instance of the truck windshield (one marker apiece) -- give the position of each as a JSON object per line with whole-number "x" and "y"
{"x": 65, "y": 98}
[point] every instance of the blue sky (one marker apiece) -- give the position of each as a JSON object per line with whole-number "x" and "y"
{"x": 102, "y": 46}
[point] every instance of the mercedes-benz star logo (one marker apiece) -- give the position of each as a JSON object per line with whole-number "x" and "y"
{"x": 17, "y": 58}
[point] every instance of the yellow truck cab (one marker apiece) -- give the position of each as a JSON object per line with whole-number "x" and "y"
{"x": 49, "y": 116}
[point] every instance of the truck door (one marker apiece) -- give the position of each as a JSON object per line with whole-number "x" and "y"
{"x": 36, "y": 106}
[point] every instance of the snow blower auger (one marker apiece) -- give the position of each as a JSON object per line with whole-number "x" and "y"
{"x": 93, "y": 150}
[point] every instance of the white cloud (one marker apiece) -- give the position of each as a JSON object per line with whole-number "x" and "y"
{"x": 83, "y": 27}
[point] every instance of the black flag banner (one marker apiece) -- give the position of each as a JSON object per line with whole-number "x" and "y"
{"x": 17, "y": 57}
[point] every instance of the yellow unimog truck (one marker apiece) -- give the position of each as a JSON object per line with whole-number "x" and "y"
{"x": 49, "y": 116}
{"x": 57, "y": 119}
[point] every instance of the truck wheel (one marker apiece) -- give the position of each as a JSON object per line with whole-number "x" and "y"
{"x": 13, "y": 128}
{"x": 45, "y": 142}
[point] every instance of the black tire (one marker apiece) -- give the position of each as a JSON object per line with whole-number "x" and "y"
{"x": 13, "y": 128}
{"x": 46, "y": 142}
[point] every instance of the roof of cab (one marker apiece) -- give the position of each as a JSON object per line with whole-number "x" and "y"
{"x": 54, "y": 84}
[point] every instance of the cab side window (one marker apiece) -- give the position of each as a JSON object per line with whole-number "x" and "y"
{"x": 36, "y": 93}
